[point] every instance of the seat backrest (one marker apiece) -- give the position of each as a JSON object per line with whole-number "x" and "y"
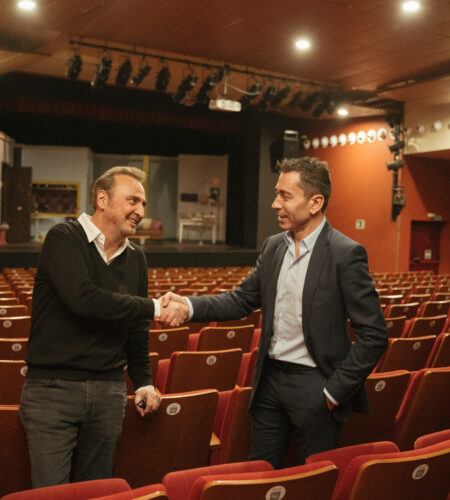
{"x": 190, "y": 371}
{"x": 385, "y": 392}
{"x": 75, "y": 491}
{"x": 431, "y": 439}
{"x": 440, "y": 354}
{"x": 13, "y": 310}
{"x": 424, "y": 408}
{"x": 408, "y": 310}
{"x": 154, "y": 361}
{"x": 391, "y": 299}
{"x": 434, "y": 308}
{"x": 406, "y": 354}
{"x": 247, "y": 369}
{"x": 420, "y": 326}
{"x": 15, "y": 327}
{"x": 14, "y": 461}
{"x": 234, "y": 434}
{"x": 12, "y": 377}
{"x": 395, "y": 326}
{"x": 13, "y": 348}
{"x": 305, "y": 481}
{"x": 176, "y": 437}
{"x": 168, "y": 340}
{"x": 410, "y": 475}
{"x": 215, "y": 338}
{"x": 179, "y": 483}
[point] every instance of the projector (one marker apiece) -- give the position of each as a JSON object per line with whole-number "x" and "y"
{"x": 225, "y": 105}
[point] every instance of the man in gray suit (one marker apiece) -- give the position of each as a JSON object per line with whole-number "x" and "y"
{"x": 308, "y": 281}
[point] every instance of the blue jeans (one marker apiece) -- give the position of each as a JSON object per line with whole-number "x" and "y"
{"x": 72, "y": 428}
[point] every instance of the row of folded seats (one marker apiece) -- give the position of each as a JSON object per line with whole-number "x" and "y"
{"x": 210, "y": 430}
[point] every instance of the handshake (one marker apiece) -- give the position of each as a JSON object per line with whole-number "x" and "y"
{"x": 174, "y": 310}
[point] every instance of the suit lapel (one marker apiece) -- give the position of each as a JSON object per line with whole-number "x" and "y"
{"x": 274, "y": 269}
{"x": 316, "y": 263}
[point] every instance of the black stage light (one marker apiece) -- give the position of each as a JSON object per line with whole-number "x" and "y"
{"x": 74, "y": 65}
{"x": 280, "y": 96}
{"x": 143, "y": 71}
{"x": 187, "y": 84}
{"x": 252, "y": 92}
{"x": 309, "y": 100}
{"x": 163, "y": 78}
{"x": 208, "y": 85}
{"x": 267, "y": 97}
{"x": 296, "y": 99}
{"x": 124, "y": 72}
{"x": 397, "y": 146}
{"x": 395, "y": 165}
{"x": 101, "y": 74}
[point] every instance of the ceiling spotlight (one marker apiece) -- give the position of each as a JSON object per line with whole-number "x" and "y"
{"x": 143, "y": 71}
{"x": 309, "y": 100}
{"x": 74, "y": 65}
{"x": 26, "y": 5}
{"x": 303, "y": 44}
{"x": 251, "y": 93}
{"x": 163, "y": 78}
{"x": 101, "y": 74}
{"x": 296, "y": 99}
{"x": 321, "y": 107}
{"x": 208, "y": 85}
{"x": 267, "y": 97}
{"x": 342, "y": 111}
{"x": 280, "y": 96}
{"x": 124, "y": 72}
{"x": 185, "y": 86}
{"x": 411, "y": 6}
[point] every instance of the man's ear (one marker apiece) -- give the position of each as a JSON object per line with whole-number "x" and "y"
{"x": 102, "y": 199}
{"x": 316, "y": 203}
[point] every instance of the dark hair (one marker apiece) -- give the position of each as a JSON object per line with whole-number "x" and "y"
{"x": 314, "y": 175}
{"x": 107, "y": 181}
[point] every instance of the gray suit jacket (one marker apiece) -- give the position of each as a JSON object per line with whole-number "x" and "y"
{"x": 337, "y": 286}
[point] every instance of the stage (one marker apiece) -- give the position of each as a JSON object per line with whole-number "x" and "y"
{"x": 164, "y": 253}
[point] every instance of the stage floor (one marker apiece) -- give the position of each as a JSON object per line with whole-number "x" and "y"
{"x": 164, "y": 253}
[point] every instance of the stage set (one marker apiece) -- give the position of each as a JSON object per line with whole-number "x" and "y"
{"x": 162, "y": 253}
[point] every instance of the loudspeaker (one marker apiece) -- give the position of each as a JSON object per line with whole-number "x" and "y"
{"x": 286, "y": 146}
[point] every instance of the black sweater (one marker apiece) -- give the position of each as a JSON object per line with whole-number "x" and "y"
{"x": 89, "y": 319}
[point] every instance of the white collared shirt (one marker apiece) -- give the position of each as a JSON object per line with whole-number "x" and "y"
{"x": 288, "y": 342}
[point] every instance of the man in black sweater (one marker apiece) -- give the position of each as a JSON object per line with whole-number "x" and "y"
{"x": 90, "y": 319}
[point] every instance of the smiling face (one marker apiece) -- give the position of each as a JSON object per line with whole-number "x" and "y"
{"x": 296, "y": 212}
{"x": 123, "y": 208}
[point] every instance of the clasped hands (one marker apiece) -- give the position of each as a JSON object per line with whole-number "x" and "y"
{"x": 174, "y": 310}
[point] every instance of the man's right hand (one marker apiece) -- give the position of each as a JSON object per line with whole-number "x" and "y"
{"x": 174, "y": 310}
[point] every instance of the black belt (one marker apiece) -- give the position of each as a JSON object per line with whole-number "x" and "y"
{"x": 287, "y": 366}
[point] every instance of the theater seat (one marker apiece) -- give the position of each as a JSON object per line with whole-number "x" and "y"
{"x": 215, "y": 338}
{"x": 406, "y": 354}
{"x": 15, "y": 327}
{"x": 431, "y": 439}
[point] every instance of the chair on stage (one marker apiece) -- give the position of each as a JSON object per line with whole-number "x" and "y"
{"x": 406, "y": 354}
{"x": 190, "y": 371}
{"x": 165, "y": 341}
{"x": 232, "y": 426}
{"x": 419, "y": 327}
{"x": 408, "y": 475}
{"x": 424, "y": 408}
{"x": 385, "y": 392}
{"x": 14, "y": 461}
{"x": 176, "y": 437}
{"x": 395, "y": 326}
{"x": 13, "y": 348}
{"x": 395, "y": 310}
{"x": 440, "y": 354}
{"x": 215, "y": 338}
{"x": 12, "y": 377}
{"x": 15, "y": 327}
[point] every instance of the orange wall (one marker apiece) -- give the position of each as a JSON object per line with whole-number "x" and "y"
{"x": 362, "y": 189}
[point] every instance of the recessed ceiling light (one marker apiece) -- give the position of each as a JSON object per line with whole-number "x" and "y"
{"x": 411, "y": 6}
{"x": 303, "y": 44}
{"x": 342, "y": 111}
{"x": 27, "y": 5}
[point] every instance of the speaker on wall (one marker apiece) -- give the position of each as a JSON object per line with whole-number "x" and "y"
{"x": 286, "y": 146}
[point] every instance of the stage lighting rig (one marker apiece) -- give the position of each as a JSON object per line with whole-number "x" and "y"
{"x": 74, "y": 65}
{"x": 396, "y": 147}
{"x": 163, "y": 79}
{"x": 309, "y": 100}
{"x": 101, "y": 74}
{"x": 267, "y": 97}
{"x": 124, "y": 72}
{"x": 251, "y": 93}
{"x": 143, "y": 71}
{"x": 296, "y": 99}
{"x": 280, "y": 96}
{"x": 208, "y": 85}
{"x": 185, "y": 86}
